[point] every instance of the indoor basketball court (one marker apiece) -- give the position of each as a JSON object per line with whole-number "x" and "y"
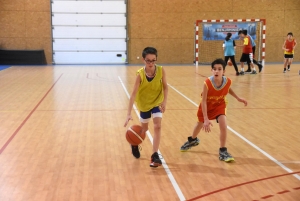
{"x": 62, "y": 123}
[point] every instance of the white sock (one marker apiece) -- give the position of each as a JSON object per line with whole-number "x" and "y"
{"x": 242, "y": 69}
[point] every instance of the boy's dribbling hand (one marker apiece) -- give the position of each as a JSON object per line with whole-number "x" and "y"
{"x": 206, "y": 126}
{"x": 243, "y": 101}
{"x": 129, "y": 117}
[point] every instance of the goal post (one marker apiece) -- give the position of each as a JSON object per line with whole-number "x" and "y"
{"x": 210, "y": 35}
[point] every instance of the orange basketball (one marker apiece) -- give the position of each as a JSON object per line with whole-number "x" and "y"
{"x": 229, "y": 63}
{"x": 134, "y": 135}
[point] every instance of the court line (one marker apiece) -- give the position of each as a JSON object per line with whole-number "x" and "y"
{"x": 164, "y": 163}
{"x": 28, "y": 116}
{"x": 241, "y": 184}
{"x": 245, "y": 139}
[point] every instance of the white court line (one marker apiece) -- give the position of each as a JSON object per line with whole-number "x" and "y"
{"x": 164, "y": 164}
{"x": 246, "y": 140}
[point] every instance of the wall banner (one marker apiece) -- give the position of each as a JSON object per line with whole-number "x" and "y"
{"x": 218, "y": 31}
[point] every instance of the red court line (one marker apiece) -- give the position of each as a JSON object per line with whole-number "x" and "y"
{"x": 268, "y": 196}
{"x": 242, "y": 184}
{"x": 201, "y": 75}
{"x": 28, "y": 116}
{"x": 282, "y": 192}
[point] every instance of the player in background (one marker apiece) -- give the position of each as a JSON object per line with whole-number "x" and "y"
{"x": 288, "y": 47}
{"x": 247, "y": 55}
{"x": 150, "y": 92}
{"x": 213, "y": 106}
{"x": 229, "y": 51}
{"x": 253, "y": 44}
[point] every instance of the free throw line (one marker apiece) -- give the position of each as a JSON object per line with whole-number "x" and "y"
{"x": 245, "y": 139}
{"x": 164, "y": 164}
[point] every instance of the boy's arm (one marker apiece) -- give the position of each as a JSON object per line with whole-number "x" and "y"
{"x": 283, "y": 47}
{"x": 231, "y": 92}
{"x": 207, "y": 123}
{"x": 132, "y": 98}
{"x": 165, "y": 88}
{"x": 295, "y": 43}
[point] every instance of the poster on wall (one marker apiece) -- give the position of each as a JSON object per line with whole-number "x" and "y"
{"x": 218, "y": 31}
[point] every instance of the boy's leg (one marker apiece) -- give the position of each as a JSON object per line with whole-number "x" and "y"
{"x": 157, "y": 133}
{"x": 157, "y": 117}
{"x": 289, "y": 64}
{"x": 197, "y": 129}
{"x": 192, "y": 140}
{"x": 234, "y": 65}
{"x": 286, "y": 60}
{"x": 144, "y": 119}
{"x": 251, "y": 63}
{"x": 223, "y": 154}
{"x": 155, "y": 160}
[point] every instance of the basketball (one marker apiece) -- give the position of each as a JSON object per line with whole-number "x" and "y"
{"x": 134, "y": 135}
{"x": 229, "y": 63}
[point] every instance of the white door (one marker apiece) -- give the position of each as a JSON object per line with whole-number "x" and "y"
{"x": 89, "y": 31}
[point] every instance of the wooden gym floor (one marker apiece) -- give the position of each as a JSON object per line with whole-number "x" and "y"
{"x": 62, "y": 137}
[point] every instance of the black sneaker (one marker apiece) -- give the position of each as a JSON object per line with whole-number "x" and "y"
{"x": 284, "y": 70}
{"x": 225, "y": 156}
{"x": 248, "y": 71}
{"x": 260, "y": 67}
{"x": 155, "y": 160}
{"x": 237, "y": 73}
{"x": 242, "y": 73}
{"x": 189, "y": 144}
{"x": 253, "y": 72}
{"x": 288, "y": 69}
{"x": 135, "y": 151}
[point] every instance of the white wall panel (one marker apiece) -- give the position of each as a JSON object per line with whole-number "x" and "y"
{"x": 89, "y": 45}
{"x": 89, "y": 32}
{"x": 88, "y": 7}
{"x": 89, "y": 19}
{"x": 88, "y": 57}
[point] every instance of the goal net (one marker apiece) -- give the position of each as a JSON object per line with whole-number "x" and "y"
{"x": 210, "y": 35}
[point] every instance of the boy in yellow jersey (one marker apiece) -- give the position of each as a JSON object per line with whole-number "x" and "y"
{"x": 288, "y": 47}
{"x": 150, "y": 92}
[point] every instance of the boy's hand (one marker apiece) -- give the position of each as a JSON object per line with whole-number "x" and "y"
{"x": 206, "y": 125}
{"x": 162, "y": 107}
{"x": 243, "y": 101}
{"x": 127, "y": 120}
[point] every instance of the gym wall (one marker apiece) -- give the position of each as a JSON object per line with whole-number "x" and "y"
{"x": 26, "y": 25}
{"x": 167, "y": 25}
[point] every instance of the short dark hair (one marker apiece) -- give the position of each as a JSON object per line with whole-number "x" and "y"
{"x": 218, "y": 61}
{"x": 149, "y": 50}
{"x": 240, "y": 31}
{"x": 245, "y": 32}
{"x": 290, "y": 33}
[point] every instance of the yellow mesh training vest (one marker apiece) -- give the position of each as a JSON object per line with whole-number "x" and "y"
{"x": 150, "y": 94}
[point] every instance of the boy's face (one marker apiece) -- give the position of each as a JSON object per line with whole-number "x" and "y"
{"x": 242, "y": 36}
{"x": 218, "y": 70}
{"x": 289, "y": 37}
{"x": 150, "y": 60}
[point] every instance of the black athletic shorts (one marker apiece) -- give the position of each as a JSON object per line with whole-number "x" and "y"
{"x": 247, "y": 58}
{"x": 288, "y": 56}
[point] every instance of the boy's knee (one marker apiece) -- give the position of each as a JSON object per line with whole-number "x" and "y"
{"x": 157, "y": 126}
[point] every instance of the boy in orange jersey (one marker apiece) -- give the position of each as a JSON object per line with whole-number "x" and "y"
{"x": 150, "y": 92}
{"x": 288, "y": 47}
{"x": 247, "y": 55}
{"x": 213, "y": 106}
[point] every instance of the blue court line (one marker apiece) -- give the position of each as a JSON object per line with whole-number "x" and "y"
{"x": 2, "y": 67}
